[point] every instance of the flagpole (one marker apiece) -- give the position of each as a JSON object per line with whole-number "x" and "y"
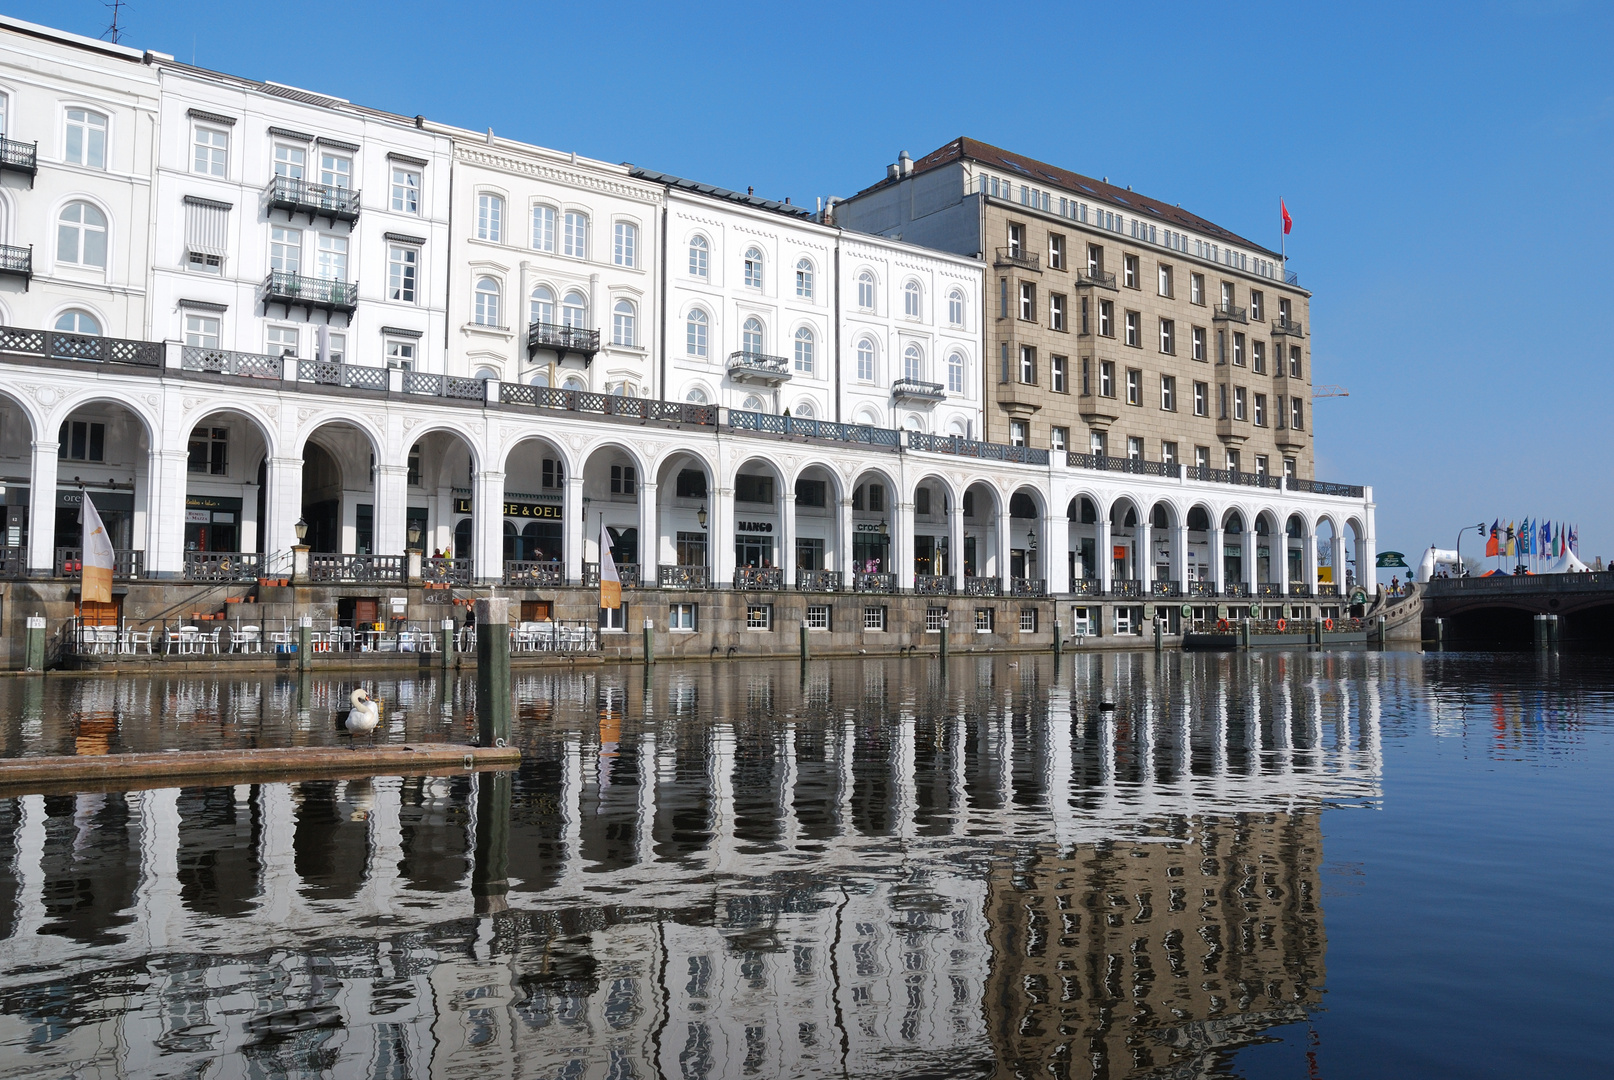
{"x": 1283, "y": 238}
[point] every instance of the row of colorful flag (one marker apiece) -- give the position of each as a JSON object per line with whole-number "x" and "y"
{"x": 1532, "y": 537}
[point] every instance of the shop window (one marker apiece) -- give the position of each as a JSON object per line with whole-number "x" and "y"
{"x": 209, "y": 448}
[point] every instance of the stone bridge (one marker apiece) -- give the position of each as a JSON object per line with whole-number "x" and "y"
{"x": 1503, "y": 609}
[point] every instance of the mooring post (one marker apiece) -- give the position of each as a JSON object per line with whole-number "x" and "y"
{"x": 1552, "y": 631}
{"x": 446, "y": 652}
{"x": 649, "y": 641}
{"x": 490, "y": 863}
{"x": 493, "y": 671}
{"x": 1244, "y": 632}
{"x": 34, "y": 655}
{"x": 1317, "y": 628}
{"x": 1057, "y": 628}
{"x": 1440, "y": 633}
{"x": 305, "y": 640}
{"x": 1159, "y": 636}
{"x": 803, "y": 633}
{"x": 946, "y": 623}
{"x": 1384, "y": 633}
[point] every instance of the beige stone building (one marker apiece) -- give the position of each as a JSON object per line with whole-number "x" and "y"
{"x": 1115, "y": 323}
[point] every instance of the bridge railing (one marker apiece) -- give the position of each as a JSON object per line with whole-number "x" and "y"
{"x": 1595, "y": 580}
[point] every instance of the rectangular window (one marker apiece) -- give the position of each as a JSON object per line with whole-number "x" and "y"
{"x": 1087, "y": 385}
{"x": 1132, "y": 320}
{"x": 1256, "y": 299}
{"x": 1057, "y": 366}
{"x": 1221, "y": 347}
{"x": 576, "y": 235}
{"x": 1278, "y": 419}
{"x": 82, "y": 440}
{"x": 1221, "y": 401}
{"x": 335, "y": 170}
{"x": 1297, "y": 413}
{"x": 209, "y": 451}
{"x": 691, "y": 484}
{"x": 86, "y": 139}
{"x": 1019, "y": 434}
{"x": 336, "y": 348}
{"x": 1227, "y": 295}
{"x": 1199, "y": 342}
{"x": 921, "y": 502}
{"x": 330, "y": 261}
{"x": 1106, "y": 378}
{"x": 1260, "y": 416}
{"x": 813, "y": 492}
{"x": 1003, "y": 298}
{"x": 1106, "y": 318}
{"x": 1098, "y": 443}
{"x": 1168, "y": 453}
{"x": 1028, "y": 301}
{"x": 1168, "y": 393}
{"x": 1084, "y": 329}
{"x": 1059, "y": 439}
{"x": 874, "y": 618}
{"x": 1028, "y": 365}
{"x": 1129, "y": 271}
{"x": 1260, "y": 464}
{"x": 983, "y": 620}
{"x": 281, "y": 341}
{"x": 211, "y": 150}
{"x": 1028, "y": 620}
{"x": 1196, "y": 288}
{"x": 690, "y": 549}
{"x": 290, "y": 161}
{"x": 1288, "y": 468}
{"x": 1238, "y": 403}
{"x": 751, "y": 488}
{"x": 1017, "y": 240}
{"x": 1095, "y": 258}
{"x": 1134, "y": 386}
{"x": 1284, "y": 317}
{"x": 405, "y": 190}
{"x": 1201, "y": 393}
{"x": 1165, "y": 280}
{"x": 285, "y": 249}
{"x": 1168, "y": 337}
{"x": 623, "y": 479}
{"x": 206, "y": 235}
{"x": 818, "y": 616}
{"x": 1232, "y": 461}
{"x": 403, "y": 268}
{"x": 1238, "y": 349}
{"x": 682, "y": 616}
{"x": 554, "y": 473}
{"x": 1294, "y": 361}
{"x": 759, "y": 616}
{"x": 614, "y": 618}
{"x": 401, "y": 354}
{"x": 876, "y": 495}
{"x": 1258, "y": 357}
{"x": 1134, "y": 448}
{"x": 1056, "y": 251}
{"x": 935, "y": 620}
{"x": 624, "y": 244}
{"x": 1202, "y": 457}
{"x": 201, "y": 331}
{"x": 1056, "y": 311}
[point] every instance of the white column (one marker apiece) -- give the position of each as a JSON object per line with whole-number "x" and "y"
{"x": 902, "y": 545}
{"x": 1336, "y": 559}
{"x": 391, "y": 508}
{"x": 1311, "y": 561}
{"x": 284, "y": 506}
{"x": 649, "y": 534}
{"x": 1000, "y": 529}
{"x": 787, "y": 538}
{"x": 1366, "y": 569}
{"x": 487, "y": 525}
{"x": 250, "y": 525}
{"x": 166, "y": 472}
{"x": 1106, "y": 564}
{"x": 843, "y": 549}
{"x": 1217, "y": 554}
{"x": 722, "y": 543}
{"x": 42, "y": 507}
{"x": 1143, "y": 555}
{"x": 576, "y": 529}
{"x": 1056, "y": 548}
{"x": 1252, "y": 545}
{"x": 955, "y": 545}
{"x": 1179, "y": 554}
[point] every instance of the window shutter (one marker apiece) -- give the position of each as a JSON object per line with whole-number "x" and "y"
{"x": 206, "y": 227}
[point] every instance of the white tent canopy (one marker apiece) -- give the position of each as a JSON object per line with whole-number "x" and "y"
{"x": 1568, "y": 563}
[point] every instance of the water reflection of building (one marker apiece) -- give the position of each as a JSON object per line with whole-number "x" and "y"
{"x": 724, "y": 874}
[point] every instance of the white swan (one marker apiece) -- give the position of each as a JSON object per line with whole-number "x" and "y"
{"x": 366, "y": 713}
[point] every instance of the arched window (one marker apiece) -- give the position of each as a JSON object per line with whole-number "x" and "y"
{"x": 868, "y": 417}
{"x": 573, "y": 310}
{"x": 955, "y": 373}
{"x": 485, "y": 373}
{"x": 912, "y": 305}
{"x": 804, "y": 279}
{"x": 865, "y": 291}
{"x": 955, "y": 307}
{"x": 913, "y": 363}
{"x": 696, "y": 396}
{"x": 490, "y": 218}
{"x": 957, "y": 429}
{"x": 85, "y": 142}
{"x": 695, "y": 328}
{"x": 698, "y": 257}
{"x": 753, "y": 268}
{"x": 574, "y": 382}
{"x": 576, "y": 238}
{"x": 540, "y": 379}
{"x": 487, "y": 302}
{"x": 865, "y": 360}
{"x": 752, "y": 403}
{"x": 623, "y": 318}
{"x": 543, "y": 228}
{"x": 804, "y": 411}
{"x": 543, "y": 305}
{"x": 74, "y": 321}
{"x": 804, "y": 351}
{"x": 751, "y": 337}
{"x": 81, "y": 236}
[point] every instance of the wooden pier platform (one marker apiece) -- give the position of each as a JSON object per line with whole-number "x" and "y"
{"x": 219, "y": 768}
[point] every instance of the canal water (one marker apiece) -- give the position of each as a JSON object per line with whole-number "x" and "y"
{"x": 1336, "y": 864}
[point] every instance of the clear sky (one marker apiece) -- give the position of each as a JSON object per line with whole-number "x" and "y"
{"x": 1449, "y": 168}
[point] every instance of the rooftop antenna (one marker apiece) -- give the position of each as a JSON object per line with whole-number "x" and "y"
{"x": 114, "y": 32}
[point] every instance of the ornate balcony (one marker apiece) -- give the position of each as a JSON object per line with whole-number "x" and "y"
{"x": 1299, "y": 588}
{"x": 534, "y": 573}
{"x": 316, "y": 200}
{"x": 627, "y": 573}
{"x": 758, "y": 368}
{"x": 444, "y": 570}
{"x": 1287, "y": 328}
{"x": 932, "y": 584}
{"x": 1128, "y": 590}
{"x": 90, "y": 347}
{"x": 1087, "y": 587}
{"x": 19, "y": 157}
{"x": 1021, "y": 586}
{"x": 1202, "y": 589}
{"x": 1165, "y": 588}
{"x": 1327, "y": 589}
{"x": 561, "y": 339}
{"x": 982, "y": 586}
{"x": 230, "y": 362}
{"x": 333, "y": 567}
{"x": 222, "y": 565}
{"x": 1012, "y": 256}
{"x": 918, "y": 392}
{"x": 1229, "y": 313}
{"x": 17, "y": 262}
{"x": 1095, "y": 278}
{"x": 872, "y": 582}
{"x": 767, "y": 578}
{"x": 818, "y": 580}
{"x": 1236, "y": 591}
{"x": 127, "y": 563}
{"x": 686, "y": 577}
{"x": 1268, "y": 589}
{"x": 310, "y": 293}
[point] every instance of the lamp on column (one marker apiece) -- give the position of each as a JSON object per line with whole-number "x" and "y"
{"x": 700, "y": 515}
{"x": 1031, "y": 539}
{"x": 414, "y": 533}
{"x": 301, "y": 529}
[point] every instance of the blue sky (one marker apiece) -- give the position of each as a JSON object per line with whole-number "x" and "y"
{"x": 1449, "y": 169}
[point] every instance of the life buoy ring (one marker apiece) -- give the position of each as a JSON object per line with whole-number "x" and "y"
{"x": 1328, "y": 624}
{"x": 1221, "y": 624}
{"x": 1282, "y": 625}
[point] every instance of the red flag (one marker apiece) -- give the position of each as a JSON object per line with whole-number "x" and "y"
{"x": 1288, "y": 222}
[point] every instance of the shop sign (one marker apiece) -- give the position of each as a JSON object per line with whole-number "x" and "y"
{"x": 197, "y": 517}
{"x": 532, "y": 510}
{"x": 753, "y": 526}
{"x": 211, "y": 502}
{"x": 868, "y": 526}
{"x": 462, "y": 505}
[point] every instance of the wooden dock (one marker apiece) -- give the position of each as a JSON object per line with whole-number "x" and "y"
{"x": 220, "y": 768}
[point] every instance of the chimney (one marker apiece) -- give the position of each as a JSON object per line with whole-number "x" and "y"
{"x": 904, "y": 164}
{"x": 891, "y": 171}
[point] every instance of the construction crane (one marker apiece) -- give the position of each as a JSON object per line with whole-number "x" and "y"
{"x": 1329, "y": 390}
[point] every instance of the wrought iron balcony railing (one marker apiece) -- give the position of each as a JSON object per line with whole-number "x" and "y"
{"x": 759, "y": 577}
{"x": 335, "y": 567}
{"x": 1087, "y": 587}
{"x": 1126, "y": 589}
{"x": 627, "y": 573}
{"x": 301, "y": 290}
{"x": 1021, "y": 586}
{"x": 444, "y": 570}
{"x": 866, "y": 581}
{"x": 686, "y": 577}
{"x": 818, "y": 580}
{"x": 917, "y": 390}
{"x": 932, "y": 584}
{"x": 222, "y": 565}
{"x": 952, "y": 444}
{"x": 1288, "y": 327}
{"x": 982, "y": 586}
{"x": 1318, "y": 487}
{"x": 1165, "y": 588}
{"x": 1096, "y": 277}
{"x": 352, "y": 376}
{"x": 316, "y": 200}
{"x": 1077, "y": 459}
{"x": 1268, "y": 589}
{"x": 1236, "y": 590}
{"x": 562, "y": 339}
{"x": 230, "y": 362}
{"x": 533, "y": 573}
{"x": 61, "y": 346}
{"x": 17, "y": 262}
{"x": 127, "y": 563}
{"x": 19, "y": 157}
{"x": 758, "y": 368}
{"x": 773, "y": 424}
{"x": 1230, "y": 313}
{"x": 1013, "y": 256}
{"x": 448, "y": 386}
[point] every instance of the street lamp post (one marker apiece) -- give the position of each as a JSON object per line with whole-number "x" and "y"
{"x": 1462, "y": 571}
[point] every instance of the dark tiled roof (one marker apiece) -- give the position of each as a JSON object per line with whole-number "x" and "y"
{"x": 1083, "y": 187}
{"x": 718, "y": 193}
